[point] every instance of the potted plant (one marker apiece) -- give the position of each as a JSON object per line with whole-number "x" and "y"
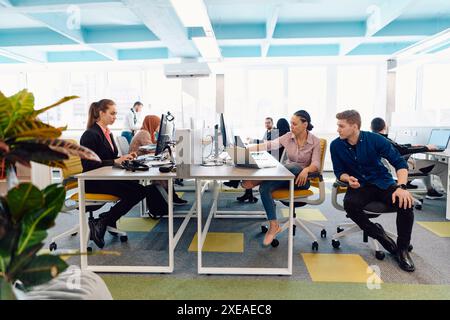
{"x": 25, "y": 211}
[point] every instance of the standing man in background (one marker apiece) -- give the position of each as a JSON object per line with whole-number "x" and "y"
{"x": 133, "y": 121}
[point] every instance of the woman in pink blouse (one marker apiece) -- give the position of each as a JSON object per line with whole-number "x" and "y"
{"x": 303, "y": 156}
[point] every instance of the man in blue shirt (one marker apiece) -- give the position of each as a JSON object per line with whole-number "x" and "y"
{"x": 356, "y": 157}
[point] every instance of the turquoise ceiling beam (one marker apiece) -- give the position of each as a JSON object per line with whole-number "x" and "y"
{"x": 423, "y": 27}
{"x": 195, "y": 32}
{"x": 143, "y": 54}
{"x": 379, "y": 48}
{"x": 32, "y": 37}
{"x": 57, "y": 21}
{"x": 379, "y": 17}
{"x": 303, "y": 50}
{"x": 24, "y": 3}
{"x": 440, "y": 48}
{"x": 320, "y": 30}
{"x": 7, "y": 59}
{"x": 114, "y": 34}
{"x": 240, "y": 31}
{"x": 160, "y": 17}
{"x": 240, "y": 51}
{"x": 75, "y": 56}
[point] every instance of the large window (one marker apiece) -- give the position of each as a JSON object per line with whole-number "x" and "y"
{"x": 308, "y": 91}
{"x": 405, "y": 88}
{"x": 357, "y": 89}
{"x": 436, "y": 93}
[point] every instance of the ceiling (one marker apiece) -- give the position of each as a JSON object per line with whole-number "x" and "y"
{"x": 47, "y": 31}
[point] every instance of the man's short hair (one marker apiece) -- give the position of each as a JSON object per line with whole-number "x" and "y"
{"x": 269, "y": 118}
{"x": 351, "y": 116}
{"x": 377, "y": 125}
{"x": 137, "y": 103}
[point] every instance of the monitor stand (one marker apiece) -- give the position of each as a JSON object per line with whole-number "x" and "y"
{"x": 215, "y": 160}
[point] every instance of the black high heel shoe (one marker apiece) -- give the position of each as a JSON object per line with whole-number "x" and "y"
{"x": 248, "y": 196}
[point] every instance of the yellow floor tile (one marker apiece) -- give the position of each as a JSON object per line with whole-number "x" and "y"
{"x": 220, "y": 242}
{"x": 442, "y": 229}
{"x": 180, "y": 194}
{"x": 306, "y": 214}
{"x": 136, "y": 224}
{"x": 338, "y": 268}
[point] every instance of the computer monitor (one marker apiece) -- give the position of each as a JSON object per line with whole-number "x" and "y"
{"x": 223, "y": 131}
{"x": 166, "y": 131}
{"x": 439, "y": 138}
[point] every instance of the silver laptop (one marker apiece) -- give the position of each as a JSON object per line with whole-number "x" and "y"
{"x": 242, "y": 157}
{"x": 439, "y": 138}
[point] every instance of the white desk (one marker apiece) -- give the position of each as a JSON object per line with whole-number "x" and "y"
{"x": 443, "y": 157}
{"x": 108, "y": 173}
{"x": 227, "y": 172}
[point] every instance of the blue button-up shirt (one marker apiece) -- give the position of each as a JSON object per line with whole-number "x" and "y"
{"x": 364, "y": 163}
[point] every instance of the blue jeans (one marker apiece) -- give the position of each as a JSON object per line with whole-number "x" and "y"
{"x": 128, "y": 135}
{"x": 266, "y": 188}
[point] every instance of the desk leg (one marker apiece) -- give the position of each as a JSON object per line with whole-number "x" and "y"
{"x": 291, "y": 225}
{"x": 171, "y": 243}
{"x": 83, "y": 224}
{"x": 198, "y": 186}
{"x": 447, "y": 211}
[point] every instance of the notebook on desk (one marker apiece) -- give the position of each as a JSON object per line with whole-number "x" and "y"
{"x": 439, "y": 138}
{"x": 242, "y": 157}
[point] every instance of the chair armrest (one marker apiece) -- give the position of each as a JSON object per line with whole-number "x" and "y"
{"x": 339, "y": 183}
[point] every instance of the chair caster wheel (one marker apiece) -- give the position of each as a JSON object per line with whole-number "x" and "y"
{"x": 123, "y": 238}
{"x": 253, "y": 200}
{"x": 379, "y": 255}
{"x": 335, "y": 243}
{"x": 418, "y": 207}
{"x": 315, "y": 246}
{"x": 89, "y": 249}
{"x": 323, "y": 233}
{"x": 339, "y": 229}
{"x": 410, "y": 247}
{"x": 53, "y": 246}
{"x": 74, "y": 234}
{"x": 264, "y": 229}
{"x": 275, "y": 243}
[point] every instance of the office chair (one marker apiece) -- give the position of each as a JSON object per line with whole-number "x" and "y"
{"x": 94, "y": 201}
{"x": 123, "y": 145}
{"x": 302, "y": 198}
{"x": 372, "y": 210}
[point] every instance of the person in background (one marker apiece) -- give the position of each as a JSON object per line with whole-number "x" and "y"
{"x": 147, "y": 135}
{"x": 378, "y": 125}
{"x": 132, "y": 122}
{"x": 99, "y": 139}
{"x": 282, "y": 128}
{"x": 356, "y": 157}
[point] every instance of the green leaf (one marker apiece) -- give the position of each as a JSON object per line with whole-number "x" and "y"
{"x": 37, "y": 236}
{"x": 6, "y": 290}
{"x": 19, "y": 262}
{"x": 60, "y": 101}
{"x": 32, "y": 128}
{"x": 5, "y": 113}
{"x": 22, "y": 199}
{"x": 42, "y": 269}
{"x": 22, "y": 104}
{"x": 30, "y": 225}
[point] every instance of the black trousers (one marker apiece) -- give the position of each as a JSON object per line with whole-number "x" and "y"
{"x": 356, "y": 199}
{"x": 129, "y": 192}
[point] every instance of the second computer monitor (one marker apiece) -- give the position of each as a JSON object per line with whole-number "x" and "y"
{"x": 165, "y": 134}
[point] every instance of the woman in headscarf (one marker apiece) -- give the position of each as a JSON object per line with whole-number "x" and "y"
{"x": 147, "y": 135}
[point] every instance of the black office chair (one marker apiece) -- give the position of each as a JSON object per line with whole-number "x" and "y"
{"x": 372, "y": 210}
